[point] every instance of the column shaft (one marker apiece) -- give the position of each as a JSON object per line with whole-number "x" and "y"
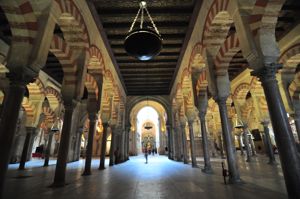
{"x": 207, "y": 164}
{"x": 269, "y": 147}
{"x": 103, "y": 147}
{"x": 60, "y": 171}
{"x": 297, "y": 124}
{"x": 234, "y": 175}
{"x": 192, "y": 145}
{"x": 246, "y": 142}
{"x": 184, "y": 147}
{"x": 8, "y": 123}
{"x": 112, "y": 147}
{"x": 48, "y": 150}
{"x": 289, "y": 156}
{"x": 26, "y": 147}
{"x": 89, "y": 147}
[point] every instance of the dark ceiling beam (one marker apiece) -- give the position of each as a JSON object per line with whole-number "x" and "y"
{"x": 160, "y": 24}
{"x": 146, "y": 75}
{"x": 146, "y": 64}
{"x": 164, "y": 42}
{"x": 123, "y": 18}
{"x": 160, "y": 54}
{"x": 148, "y": 70}
{"x": 162, "y": 31}
{"x": 132, "y": 11}
{"x": 129, "y": 59}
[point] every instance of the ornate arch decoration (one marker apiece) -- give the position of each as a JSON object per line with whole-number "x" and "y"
{"x": 228, "y": 49}
{"x": 36, "y": 89}
{"x": 216, "y": 26}
{"x": 92, "y": 87}
{"x": 241, "y": 91}
{"x": 290, "y": 58}
{"x": 65, "y": 56}
{"x": 49, "y": 115}
{"x": 29, "y": 109}
{"x": 72, "y": 23}
{"x": 22, "y": 20}
{"x": 202, "y": 82}
{"x": 196, "y": 58}
{"x": 95, "y": 62}
{"x": 294, "y": 88}
{"x": 53, "y": 96}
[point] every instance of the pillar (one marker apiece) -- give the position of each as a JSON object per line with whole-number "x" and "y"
{"x": 234, "y": 175}
{"x": 60, "y": 170}
{"x": 221, "y": 147}
{"x": 192, "y": 144}
{"x": 289, "y": 156}
{"x": 184, "y": 148}
{"x": 112, "y": 147}
{"x": 103, "y": 147}
{"x": 8, "y": 123}
{"x": 29, "y": 132}
{"x": 269, "y": 147}
{"x": 48, "y": 149}
{"x": 177, "y": 153}
{"x": 246, "y": 142}
{"x": 252, "y": 145}
{"x": 297, "y": 123}
{"x": 89, "y": 148}
{"x": 207, "y": 165}
{"x": 240, "y": 144}
{"x": 170, "y": 146}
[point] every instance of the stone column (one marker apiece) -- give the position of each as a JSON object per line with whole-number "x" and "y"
{"x": 246, "y": 142}
{"x": 29, "y": 132}
{"x": 112, "y": 147}
{"x": 289, "y": 156}
{"x": 103, "y": 147}
{"x": 207, "y": 165}
{"x": 192, "y": 143}
{"x": 269, "y": 147}
{"x": 184, "y": 147}
{"x": 60, "y": 171}
{"x": 170, "y": 148}
{"x": 297, "y": 123}
{"x": 177, "y": 154}
{"x": 93, "y": 117}
{"x": 221, "y": 147}
{"x": 252, "y": 145}
{"x": 234, "y": 175}
{"x": 48, "y": 149}
{"x": 240, "y": 144}
{"x": 8, "y": 123}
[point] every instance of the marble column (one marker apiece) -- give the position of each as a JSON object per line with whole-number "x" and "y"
{"x": 29, "y": 132}
{"x": 62, "y": 157}
{"x": 112, "y": 147}
{"x": 184, "y": 147}
{"x": 268, "y": 143}
{"x": 93, "y": 117}
{"x": 103, "y": 146}
{"x": 221, "y": 142}
{"x": 192, "y": 144}
{"x": 234, "y": 174}
{"x": 207, "y": 165}
{"x": 246, "y": 142}
{"x": 177, "y": 154}
{"x": 297, "y": 123}
{"x": 48, "y": 149}
{"x": 8, "y": 123}
{"x": 289, "y": 155}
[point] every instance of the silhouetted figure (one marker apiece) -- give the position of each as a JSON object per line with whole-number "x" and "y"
{"x": 153, "y": 151}
{"x": 146, "y": 156}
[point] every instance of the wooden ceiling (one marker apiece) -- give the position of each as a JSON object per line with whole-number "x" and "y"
{"x": 172, "y": 18}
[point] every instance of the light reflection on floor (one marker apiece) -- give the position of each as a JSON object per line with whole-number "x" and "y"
{"x": 160, "y": 178}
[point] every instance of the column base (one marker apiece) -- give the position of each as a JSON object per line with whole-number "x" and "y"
{"x": 86, "y": 173}
{"x": 195, "y": 166}
{"x": 235, "y": 181}
{"x": 101, "y": 168}
{"x": 207, "y": 170}
{"x": 273, "y": 162}
{"x": 58, "y": 184}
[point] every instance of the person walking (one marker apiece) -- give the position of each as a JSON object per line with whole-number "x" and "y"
{"x": 146, "y": 156}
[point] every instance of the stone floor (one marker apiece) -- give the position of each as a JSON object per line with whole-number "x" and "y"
{"x": 160, "y": 178}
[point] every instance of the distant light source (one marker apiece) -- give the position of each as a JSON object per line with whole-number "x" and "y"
{"x": 143, "y": 43}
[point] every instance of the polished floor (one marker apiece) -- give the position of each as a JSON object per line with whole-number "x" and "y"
{"x": 160, "y": 178}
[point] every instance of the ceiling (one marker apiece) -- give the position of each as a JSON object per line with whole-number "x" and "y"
{"x": 172, "y": 18}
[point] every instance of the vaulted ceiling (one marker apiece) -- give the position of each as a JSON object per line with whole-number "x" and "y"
{"x": 172, "y": 18}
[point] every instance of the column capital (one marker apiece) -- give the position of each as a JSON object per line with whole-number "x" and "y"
{"x": 70, "y": 104}
{"x": 21, "y": 76}
{"x": 221, "y": 100}
{"x": 93, "y": 116}
{"x": 268, "y": 72}
{"x": 265, "y": 123}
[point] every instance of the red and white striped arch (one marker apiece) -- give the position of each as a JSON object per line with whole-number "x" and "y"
{"x": 22, "y": 20}
{"x": 202, "y": 82}
{"x": 228, "y": 49}
{"x": 53, "y": 96}
{"x": 71, "y": 23}
{"x": 241, "y": 91}
{"x": 196, "y": 59}
{"x": 290, "y": 58}
{"x": 216, "y": 27}
{"x": 92, "y": 87}
{"x": 64, "y": 55}
{"x": 95, "y": 60}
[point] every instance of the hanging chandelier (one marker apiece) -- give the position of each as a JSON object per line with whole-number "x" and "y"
{"x": 144, "y": 43}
